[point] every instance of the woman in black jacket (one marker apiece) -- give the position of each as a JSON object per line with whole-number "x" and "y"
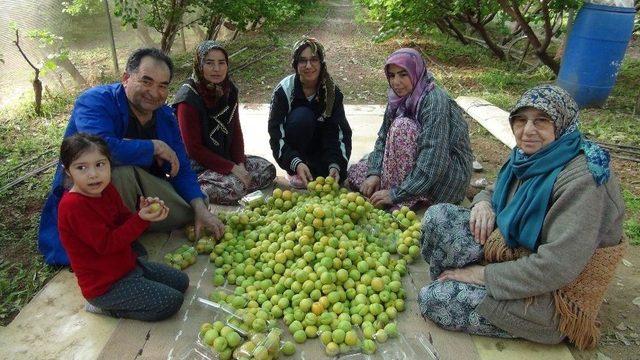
{"x": 309, "y": 133}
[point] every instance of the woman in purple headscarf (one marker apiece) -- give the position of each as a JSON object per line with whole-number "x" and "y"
{"x": 422, "y": 155}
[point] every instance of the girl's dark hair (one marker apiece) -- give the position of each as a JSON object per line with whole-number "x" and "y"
{"x": 75, "y": 145}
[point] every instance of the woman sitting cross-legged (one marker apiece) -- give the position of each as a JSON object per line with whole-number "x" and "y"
{"x": 557, "y": 212}
{"x": 422, "y": 155}
{"x": 207, "y": 110}
{"x": 309, "y": 133}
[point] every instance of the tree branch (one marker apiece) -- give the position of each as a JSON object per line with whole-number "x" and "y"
{"x": 17, "y": 42}
{"x": 548, "y": 31}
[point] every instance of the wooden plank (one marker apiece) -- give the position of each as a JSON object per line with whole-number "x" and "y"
{"x": 504, "y": 349}
{"x": 448, "y": 344}
{"x": 54, "y": 325}
{"x": 494, "y": 119}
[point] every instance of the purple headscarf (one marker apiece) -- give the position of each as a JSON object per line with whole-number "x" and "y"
{"x": 421, "y": 79}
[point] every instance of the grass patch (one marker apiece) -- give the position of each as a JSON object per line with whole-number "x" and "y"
{"x": 632, "y": 225}
{"x": 28, "y": 142}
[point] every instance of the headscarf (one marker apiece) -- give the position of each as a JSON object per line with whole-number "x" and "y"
{"x": 421, "y": 79}
{"x": 520, "y": 221}
{"x": 211, "y": 92}
{"x": 326, "y": 86}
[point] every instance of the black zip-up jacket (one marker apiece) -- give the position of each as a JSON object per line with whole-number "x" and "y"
{"x": 331, "y": 149}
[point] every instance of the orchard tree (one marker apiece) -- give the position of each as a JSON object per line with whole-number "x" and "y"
{"x": 212, "y": 14}
{"x": 56, "y": 54}
{"x": 36, "y": 83}
{"x": 539, "y": 20}
{"x": 413, "y": 15}
{"x": 165, "y": 16}
{"x": 545, "y": 13}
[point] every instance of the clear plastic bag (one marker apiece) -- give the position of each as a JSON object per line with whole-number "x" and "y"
{"x": 341, "y": 341}
{"x": 182, "y": 257}
{"x": 253, "y": 199}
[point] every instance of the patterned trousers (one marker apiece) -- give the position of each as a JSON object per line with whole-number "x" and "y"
{"x": 400, "y": 153}
{"x": 448, "y": 243}
{"x": 228, "y": 189}
{"x": 150, "y": 292}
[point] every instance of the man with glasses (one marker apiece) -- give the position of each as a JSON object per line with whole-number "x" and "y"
{"x": 308, "y": 129}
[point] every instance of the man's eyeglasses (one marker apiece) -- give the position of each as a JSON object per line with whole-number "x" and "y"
{"x": 312, "y": 61}
{"x": 520, "y": 121}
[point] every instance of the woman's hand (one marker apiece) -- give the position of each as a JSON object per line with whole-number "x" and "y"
{"x": 152, "y": 209}
{"x": 241, "y": 173}
{"x": 370, "y": 185}
{"x": 302, "y": 170}
{"x": 334, "y": 173}
{"x": 205, "y": 219}
{"x": 381, "y": 198}
{"x": 472, "y": 274}
{"x": 482, "y": 221}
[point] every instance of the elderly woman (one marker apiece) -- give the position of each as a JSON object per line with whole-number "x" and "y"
{"x": 308, "y": 129}
{"x": 558, "y": 215}
{"x": 207, "y": 109}
{"x": 422, "y": 154}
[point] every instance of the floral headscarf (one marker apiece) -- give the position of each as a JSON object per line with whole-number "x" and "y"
{"x": 563, "y": 110}
{"x": 326, "y": 86}
{"x": 206, "y": 87}
{"x": 521, "y": 217}
{"x": 421, "y": 79}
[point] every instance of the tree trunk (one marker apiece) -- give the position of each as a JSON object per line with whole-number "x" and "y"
{"x": 477, "y": 25}
{"x": 213, "y": 25}
{"x": 459, "y": 35}
{"x": 636, "y": 109}
{"x": 143, "y": 34}
{"x": 539, "y": 49}
{"x": 173, "y": 25}
{"x": 68, "y": 66}
{"x": 37, "y": 89}
{"x": 441, "y": 26}
{"x": 184, "y": 42}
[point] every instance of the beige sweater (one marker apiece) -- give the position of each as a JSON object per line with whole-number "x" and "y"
{"x": 581, "y": 217}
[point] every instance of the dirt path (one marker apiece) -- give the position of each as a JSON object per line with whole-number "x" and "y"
{"x": 353, "y": 60}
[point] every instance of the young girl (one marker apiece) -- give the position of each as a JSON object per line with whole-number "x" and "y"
{"x": 97, "y": 231}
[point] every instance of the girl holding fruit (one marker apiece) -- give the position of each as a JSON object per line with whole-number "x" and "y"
{"x": 422, "y": 154}
{"x": 207, "y": 111}
{"x": 97, "y": 230}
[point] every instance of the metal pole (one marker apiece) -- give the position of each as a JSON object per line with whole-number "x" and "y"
{"x": 114, "y": 56}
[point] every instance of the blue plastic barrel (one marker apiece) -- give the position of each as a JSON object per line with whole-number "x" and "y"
{"x": 594, "y": 52}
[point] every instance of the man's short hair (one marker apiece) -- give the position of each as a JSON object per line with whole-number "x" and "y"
{"x": 133, "y": 63}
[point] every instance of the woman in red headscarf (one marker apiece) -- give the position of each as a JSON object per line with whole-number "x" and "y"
{"x": 422, "y": 155}
{"x": 207, "y": 110}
